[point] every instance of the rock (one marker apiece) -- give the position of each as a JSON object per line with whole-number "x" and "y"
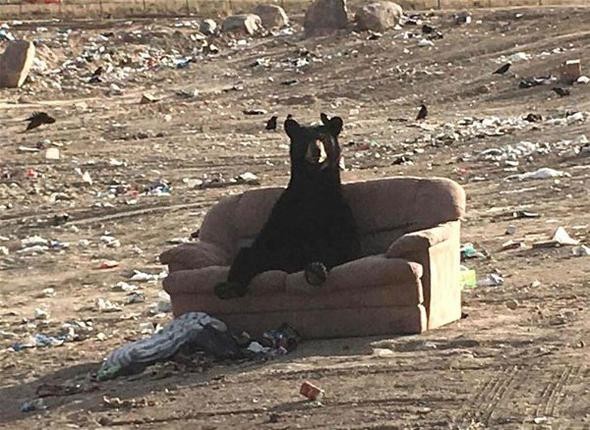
{"x": 148, "y": 98}
{"x": 324, "y": 17}
{"x": 272, "y": 16}
{"x": 249, "y": 24}
{"x": 208, "y": 26}
{"x": 378, "y": 16}
{"x": 15, "y": 63}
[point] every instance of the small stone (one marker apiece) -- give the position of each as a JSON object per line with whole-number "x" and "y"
{"x": 512, "y": 304}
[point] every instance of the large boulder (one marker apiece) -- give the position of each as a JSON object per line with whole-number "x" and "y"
{"x": 15, "y": 63}
{"x": 272, "y": 16}
{"x": 324, "y": 17}
{"x": 249, "y": 24}
{"x": 378, "y": 16}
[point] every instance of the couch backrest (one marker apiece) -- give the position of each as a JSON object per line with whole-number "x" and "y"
{"x": 384, "y": 209}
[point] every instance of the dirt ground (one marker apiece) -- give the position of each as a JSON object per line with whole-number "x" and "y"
{"x": 518, "y": 360}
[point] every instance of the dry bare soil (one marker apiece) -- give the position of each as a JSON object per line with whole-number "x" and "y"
{"x": 519, "y": 359}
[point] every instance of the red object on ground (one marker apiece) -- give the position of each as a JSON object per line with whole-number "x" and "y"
{"x": 311, "y": 391}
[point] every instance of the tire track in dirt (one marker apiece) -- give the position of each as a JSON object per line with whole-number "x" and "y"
{"x": 493, "y": 392}
{"x": 89, "y": 218}
{"x": 553, "y": 393}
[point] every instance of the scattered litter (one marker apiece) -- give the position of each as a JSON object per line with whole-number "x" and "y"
{"x": 159, "y": 189}
{"x": 492, "y": 280}
{"x": 163, "y": 304}
{"x": 41, "y": 314}
{"x": 525, "y": 214}
{"x": 194, "y": 329}
{"x": 540, "y": 420}
{"x": 581, "y": 251}
{"x": 583, "y": 80}
{"x": 462, "y": 18}
{"x": 469, "y": 251}
{"x": 257, "y": 348}
{"x": 510, "y": 230}
{"x": 33, "y": 405}
{"x": 468, "y": 278}
{"x": 255, "y": 112}
{"x": 311, "y": 391}
{"x": 536, "y": 81}
{"x": 124, "y": 287}
{"x": 135, "y": 297}
{"x": 282, "y": 340}
{"x": 108, "y": 264}
{"x": 542, "y": 173}
{"x": 512, "y": 244}
{"x": 560, "y": 237}
{"x": 52, "y": 154}
{"x": 248, "y": 178}
{"x": 104, "y": 305}
{"x": 140, "y": 276}
{"x": 425, "y": 42}
{"x": 382, "y": 352}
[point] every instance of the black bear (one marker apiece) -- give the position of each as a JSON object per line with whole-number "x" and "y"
{"x": 311, "y": 226}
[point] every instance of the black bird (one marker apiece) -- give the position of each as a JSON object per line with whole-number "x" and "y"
{"x": 96, "y": 75}
{"x": 423, "y": 112}
{"x": 502, "y": 69}
{"x": 271, "y": 124}
{"x": 561, "y": 92}
{"x": 37, "y": 119}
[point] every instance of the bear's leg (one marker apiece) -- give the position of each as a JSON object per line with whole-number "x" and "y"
{"x": 242, "y": 270}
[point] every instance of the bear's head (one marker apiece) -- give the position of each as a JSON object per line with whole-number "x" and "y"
{"x": 314, "y": 150}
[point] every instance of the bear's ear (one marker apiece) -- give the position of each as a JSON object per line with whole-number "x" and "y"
{"x": 334, "y": 124}
{"x": 292, "y": 127}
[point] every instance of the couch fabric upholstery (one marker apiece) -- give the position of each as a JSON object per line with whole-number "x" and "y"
{"x": 407, "y": 280}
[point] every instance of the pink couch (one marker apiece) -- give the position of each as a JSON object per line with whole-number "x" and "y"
{"x": 406, "y": 282}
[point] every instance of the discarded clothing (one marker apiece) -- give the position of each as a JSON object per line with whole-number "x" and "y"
{"x": 195, "y": 330}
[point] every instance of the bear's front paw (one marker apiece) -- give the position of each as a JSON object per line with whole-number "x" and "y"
{"x": 229, "y": 290}
{"x": 316, "y": 274}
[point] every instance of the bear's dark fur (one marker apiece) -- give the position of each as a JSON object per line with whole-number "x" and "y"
{"x": 311, "y": 226}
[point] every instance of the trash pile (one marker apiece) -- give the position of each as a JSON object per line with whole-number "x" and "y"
{"x": 469, "y": 128}
{"x": 195, "y": 331}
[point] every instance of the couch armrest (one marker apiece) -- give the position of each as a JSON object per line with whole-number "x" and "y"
{"x": 195, "y": 255}
{"x": 437, "y": 249}
{"x": 409, "y": 243}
